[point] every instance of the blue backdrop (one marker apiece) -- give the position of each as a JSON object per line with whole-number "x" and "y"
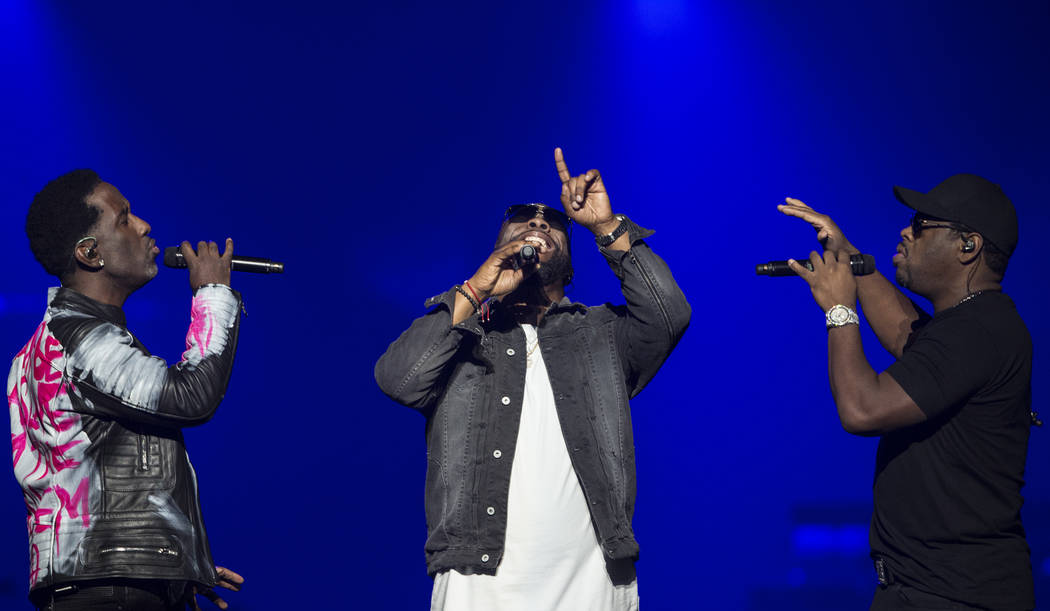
{"x": 373, "y": 147}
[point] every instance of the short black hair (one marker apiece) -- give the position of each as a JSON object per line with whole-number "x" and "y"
{"x": 58, "y": 217}
{"x": 995, "y": 259}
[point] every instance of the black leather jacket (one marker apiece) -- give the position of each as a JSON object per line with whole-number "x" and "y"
{"x": 98, "y": 447}
{"x": 469, "y": 382}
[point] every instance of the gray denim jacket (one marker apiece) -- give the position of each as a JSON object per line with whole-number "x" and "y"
{"x": 469, "y": 381}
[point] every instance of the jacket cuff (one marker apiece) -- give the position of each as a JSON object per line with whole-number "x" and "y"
{"x": 223, "y": 301}
{"x": 635, "y": 233}
{"x": 213, "y": 314}
{"x": 448, "y": 301}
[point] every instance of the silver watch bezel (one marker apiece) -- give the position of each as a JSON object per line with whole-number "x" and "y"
{"x": 840, "y": 315}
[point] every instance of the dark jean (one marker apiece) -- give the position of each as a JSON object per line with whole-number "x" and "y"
{"x": 904, "y": 598}
{"x": 116, "y": 595}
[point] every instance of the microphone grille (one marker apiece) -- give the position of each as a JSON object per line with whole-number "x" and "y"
{"x": 867, "y": 265}
{"x": 173, "y": 257}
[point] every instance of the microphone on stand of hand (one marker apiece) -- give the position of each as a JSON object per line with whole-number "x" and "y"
{"x": 173, "y": 258}
{"x": 526, "y": 256}
{"x": 862, "y": 265}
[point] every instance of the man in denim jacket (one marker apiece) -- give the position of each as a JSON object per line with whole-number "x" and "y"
{"x": 530, "y": 482}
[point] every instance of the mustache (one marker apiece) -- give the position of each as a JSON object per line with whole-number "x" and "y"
{"x": 551, "y": 242}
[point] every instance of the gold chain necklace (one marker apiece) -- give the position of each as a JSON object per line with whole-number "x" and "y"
{"x": 531, "y": 349}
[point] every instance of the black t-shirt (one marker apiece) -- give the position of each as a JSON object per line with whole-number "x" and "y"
{"x": 947, "y": 492}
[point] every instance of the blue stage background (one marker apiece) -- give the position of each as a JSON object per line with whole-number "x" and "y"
{"x": 373, "y": 148}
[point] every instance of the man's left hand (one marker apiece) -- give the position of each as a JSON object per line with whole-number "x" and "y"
{"x": 831, "y": 280}
{"x": 227, "y": 579}
{"x": 585, "y": 198}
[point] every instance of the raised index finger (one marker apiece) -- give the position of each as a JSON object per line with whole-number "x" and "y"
{"x": 559, "y": 162}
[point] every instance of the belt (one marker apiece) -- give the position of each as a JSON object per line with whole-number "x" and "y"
{"x": 161, "y": 588}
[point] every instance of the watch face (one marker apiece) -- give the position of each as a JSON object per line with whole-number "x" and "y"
{"x": 838, "y": 315}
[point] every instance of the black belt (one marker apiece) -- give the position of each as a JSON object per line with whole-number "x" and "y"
{"x": 42, "y": 596}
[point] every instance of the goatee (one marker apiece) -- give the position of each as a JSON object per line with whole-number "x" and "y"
{"x": 558, "y": 269}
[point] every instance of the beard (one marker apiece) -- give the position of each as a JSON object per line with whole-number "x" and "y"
{"x": 558, "y": 269}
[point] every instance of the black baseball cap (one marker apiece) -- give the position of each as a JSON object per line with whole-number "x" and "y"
{"x": 969, "y": 200}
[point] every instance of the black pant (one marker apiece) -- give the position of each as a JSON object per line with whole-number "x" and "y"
{"x": 898, "y": 597}
{"x": 108, "y": 595}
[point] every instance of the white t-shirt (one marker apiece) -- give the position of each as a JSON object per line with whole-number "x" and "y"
{"x": 551, "y": 559}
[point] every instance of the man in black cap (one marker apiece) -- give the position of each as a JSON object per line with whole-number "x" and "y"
{"x": 954, "y": 410}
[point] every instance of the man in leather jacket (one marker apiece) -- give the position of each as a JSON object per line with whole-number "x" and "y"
{"x": 114, "y": 518}
{"x": 530, "y": 483}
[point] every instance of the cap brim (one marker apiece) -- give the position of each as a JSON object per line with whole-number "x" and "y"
{"x": 920, "y": 202}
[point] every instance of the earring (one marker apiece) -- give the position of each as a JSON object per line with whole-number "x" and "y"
{"x": 101, "y": 263}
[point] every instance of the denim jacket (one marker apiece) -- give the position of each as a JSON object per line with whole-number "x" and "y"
{"x": 469, "y": 379}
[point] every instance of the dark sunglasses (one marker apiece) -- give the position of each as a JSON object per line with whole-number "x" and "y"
{"x": 920, "y": 222}
{"x": 522, "y": 213}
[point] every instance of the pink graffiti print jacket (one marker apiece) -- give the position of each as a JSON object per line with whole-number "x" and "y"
{"x": 97, "y": 443}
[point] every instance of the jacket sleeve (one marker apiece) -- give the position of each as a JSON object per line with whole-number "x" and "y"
{"x": 414, "y": 368}
{"x": 656, "y": 315}
{"x": 117, "y": 378}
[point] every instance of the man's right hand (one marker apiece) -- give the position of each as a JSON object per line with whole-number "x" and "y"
{"x": 206, "y": 265}
{"x": 828, "y": 233}
{"x": 497, "y": 276}
{"x": 227, "y": 579}
{"x": 888, "y": 311}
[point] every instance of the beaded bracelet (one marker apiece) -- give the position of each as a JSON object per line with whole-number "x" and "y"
{"x": 466, "y": 295}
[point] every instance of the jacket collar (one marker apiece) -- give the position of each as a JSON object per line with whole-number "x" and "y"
{"x": 62, "y": 298}
{"x": 499, "y": 317}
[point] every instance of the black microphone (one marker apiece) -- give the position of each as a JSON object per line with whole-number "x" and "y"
{"x": 862, "y": 265}
{"x": 174, "y": 258}
{"x": 526, "y": 256}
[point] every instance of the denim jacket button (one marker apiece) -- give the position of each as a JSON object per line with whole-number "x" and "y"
{"x": 491, "y": 511}
{"x": 505, "y": 400}
{"x": 497, "y": 454}
{"x": 510, "y": 351}
{"x": 484, "y": 557}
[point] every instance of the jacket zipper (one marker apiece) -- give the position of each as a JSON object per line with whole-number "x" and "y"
{"x": 144, "y": 440}
{"x": 652, "y": 291}
{"x": 162, "y": 551}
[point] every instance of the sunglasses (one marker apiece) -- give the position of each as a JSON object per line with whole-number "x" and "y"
{"x": 522, "y": 213}
{"x": 920, "y": 222}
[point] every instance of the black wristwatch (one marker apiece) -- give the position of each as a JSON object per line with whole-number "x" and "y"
{"x": 609, "y": 238}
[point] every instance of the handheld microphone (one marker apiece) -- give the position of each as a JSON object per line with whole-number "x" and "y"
{"x": 861, "y": 265}
{"x": 527, "y": 255}
{"x": 173, "y": 258}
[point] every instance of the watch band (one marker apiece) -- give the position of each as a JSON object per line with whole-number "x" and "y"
{"x": 609, "y": 238}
